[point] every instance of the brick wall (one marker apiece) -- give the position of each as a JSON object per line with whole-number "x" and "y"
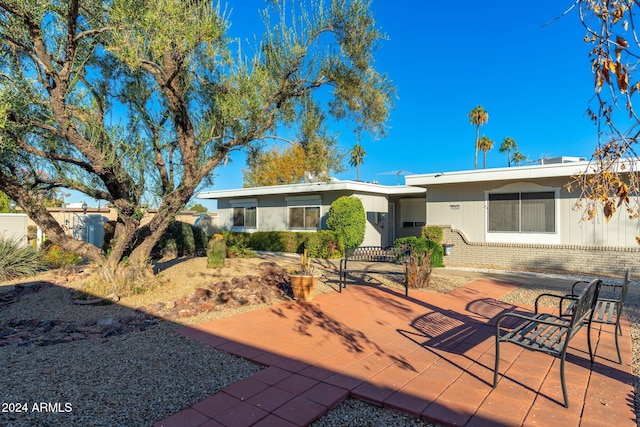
{"x": 588, "y": 260}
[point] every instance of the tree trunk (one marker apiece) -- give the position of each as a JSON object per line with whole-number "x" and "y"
{"x": 476, "y": 158}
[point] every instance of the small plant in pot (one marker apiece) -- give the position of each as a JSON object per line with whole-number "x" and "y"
{"x": 303, "y": 281}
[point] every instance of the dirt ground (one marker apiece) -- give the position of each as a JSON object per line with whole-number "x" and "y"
{"x": 181, "y": 277}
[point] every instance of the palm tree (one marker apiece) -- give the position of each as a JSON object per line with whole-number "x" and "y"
{"x": 507, "y": 145}
{"x": 518, "y": 157}
{"x": 478, "y": 116}
{"x": 357, "y": 158}
{"x": 485, "y": 144}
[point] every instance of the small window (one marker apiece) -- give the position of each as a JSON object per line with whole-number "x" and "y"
{"x": 413, "y": 212}
{"x": 244, "y": 217}
{"x": 304, "y": 217}
{"x": 407, "y": 224}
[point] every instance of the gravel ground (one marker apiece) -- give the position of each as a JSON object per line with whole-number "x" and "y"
{"x": 143, "y": 376}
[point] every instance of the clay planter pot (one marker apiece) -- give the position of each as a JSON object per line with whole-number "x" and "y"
{"x": 303, "y": 287}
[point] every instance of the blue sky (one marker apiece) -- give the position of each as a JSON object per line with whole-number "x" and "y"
{"x": 535, "y": 81}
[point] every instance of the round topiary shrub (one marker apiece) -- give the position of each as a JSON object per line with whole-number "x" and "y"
{"x": 347, "y": 218}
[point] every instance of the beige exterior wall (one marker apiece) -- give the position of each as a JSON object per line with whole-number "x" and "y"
{"x": 463, "y": 207}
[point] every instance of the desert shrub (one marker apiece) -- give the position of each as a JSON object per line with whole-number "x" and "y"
{"x": 216, "y": 251}
{"x": 17, "y": 259}
{"x": 421, "y": 246}
{"x": 56, "y": 257}
{"x": 432, "y": 232}
{"x": 238, "y": 244}
{"x": 347, "y": 218}
{"x": 324, "y": 244}
{"x": 32, "y": 235}
{"x": 275, "y": 241}
{"x": 419, "y": 270}
{"x": 179, "y": 239}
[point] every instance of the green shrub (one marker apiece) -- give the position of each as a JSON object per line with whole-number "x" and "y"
{"x": 347, "y": 218}
{"x": 56, "y": 257}
{"x": 216, "y": 251}
{"x": 179, "y": 239}
{"x": 436, "y": 252}
{"x": 432, "y": 232}
{"x": 275, "y": 241}
{"x": 17, "y": 259}
{"x": 324, "y": 244}
{"x": 238, "y": 244}
{"x": 423, "y": 246}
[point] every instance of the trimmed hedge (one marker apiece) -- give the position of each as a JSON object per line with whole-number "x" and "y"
{"x": 238, "y": 244}
{"x": 320, "y": 244}
{"x": 181, "y": 239}
{"x": 324, "y": 244}
{"x": 347, "y": 217}
{"x": 275, "y": 241}
{"x": 422, "y": 245}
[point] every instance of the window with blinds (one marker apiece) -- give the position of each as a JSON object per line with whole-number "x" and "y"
{"x": 532, "y": 212}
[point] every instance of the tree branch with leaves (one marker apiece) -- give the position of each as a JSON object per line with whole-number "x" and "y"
{"x": 139, "y": 101}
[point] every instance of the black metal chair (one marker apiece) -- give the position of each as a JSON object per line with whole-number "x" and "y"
{"x": 549, "y": 333}
{"x": 609, "y": 308}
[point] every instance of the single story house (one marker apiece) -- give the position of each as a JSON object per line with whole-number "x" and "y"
{"x": 520, "y": 218}
{"x": 392, "y": 211}
{"x": 526, "y": 204}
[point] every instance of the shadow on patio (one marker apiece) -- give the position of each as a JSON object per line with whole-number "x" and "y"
{"x": 429, "y": 355}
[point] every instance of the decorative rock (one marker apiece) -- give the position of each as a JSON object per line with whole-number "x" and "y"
{"x": 108, "y": 321}
{"x": 51, "y": 332}
{"x": 203, "y": 293}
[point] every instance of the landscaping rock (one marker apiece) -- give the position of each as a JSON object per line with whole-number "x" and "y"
{"x": 271, "y": 284}
{"x": 45, "y": 332}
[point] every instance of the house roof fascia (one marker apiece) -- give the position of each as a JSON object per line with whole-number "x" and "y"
{"x": 312, "y": 187}
{"x": 500, "y": 174}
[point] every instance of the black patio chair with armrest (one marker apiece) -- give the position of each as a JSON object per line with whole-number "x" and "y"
{"x": 549, "y": 333}
{"x": 609, "y": 308}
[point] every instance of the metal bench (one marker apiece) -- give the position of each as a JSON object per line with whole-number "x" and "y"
{"x": 375, "y": 254}
{"x": 609, "y": 307}
{"x": 549, "y": 333}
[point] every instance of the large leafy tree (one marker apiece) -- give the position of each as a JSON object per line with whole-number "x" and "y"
{"x": 507, "y": 145}
{"x": 485, "y": 144}
{"x": 313, "y": 151}
{"x": 278, "y": 167}
{"x": 477, "y": 117}
{"x": 136, "y": 100}
{"x": 357, "y": 158}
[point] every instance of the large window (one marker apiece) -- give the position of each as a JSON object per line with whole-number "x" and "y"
{"x": 304, "y": 217}
{"x": 244, "y": 216}
{"x": 532, "y": 212}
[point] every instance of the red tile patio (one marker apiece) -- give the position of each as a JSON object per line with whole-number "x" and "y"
{"x": 429, "y": 355}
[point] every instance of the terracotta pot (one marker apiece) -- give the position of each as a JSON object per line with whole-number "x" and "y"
{"x": 303, "y": 287}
